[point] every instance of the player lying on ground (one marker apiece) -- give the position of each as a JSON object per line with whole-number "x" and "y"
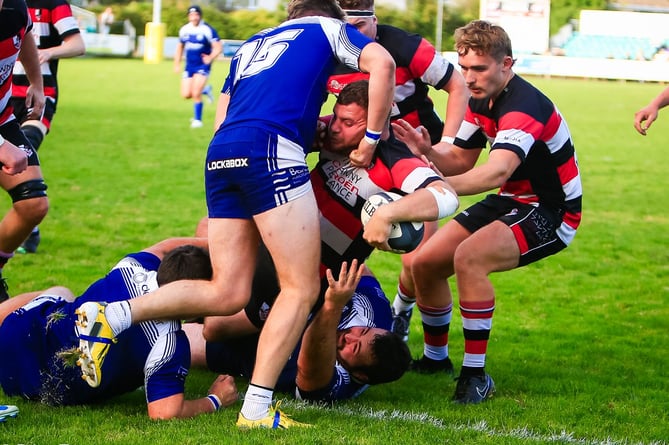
{"x": 36, "y": 330}
{"x": 346, "y": 347}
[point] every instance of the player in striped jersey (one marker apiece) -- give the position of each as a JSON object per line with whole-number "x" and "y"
{"x": 24, "y": 184}
{"x": 418, "y": 66}
{"x": 535, "y": 213}
{"x": 36, "y": 339}
{"x": 57, "y": 35}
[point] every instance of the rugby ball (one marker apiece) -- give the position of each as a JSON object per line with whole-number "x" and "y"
{"x": 404, "y": 236}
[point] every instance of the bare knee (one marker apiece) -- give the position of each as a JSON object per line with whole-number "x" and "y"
{"x": 33, "y": 210}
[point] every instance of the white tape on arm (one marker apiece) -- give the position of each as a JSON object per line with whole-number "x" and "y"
{"x": 447, "y": 202}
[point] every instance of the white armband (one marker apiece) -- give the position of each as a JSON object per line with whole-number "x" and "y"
{"x": 447, "y": 202}
{"x": 213, "y": 398}
{"x": 448, "y": 139}
{"x": 2, "y": 140}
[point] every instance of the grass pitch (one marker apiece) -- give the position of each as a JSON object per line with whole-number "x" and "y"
{"x": 578, "y": 346}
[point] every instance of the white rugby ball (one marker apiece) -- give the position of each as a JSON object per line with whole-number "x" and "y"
{"x": 404, "y": 236}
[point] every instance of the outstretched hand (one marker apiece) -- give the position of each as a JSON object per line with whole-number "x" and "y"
{"x": 340, "y": 290}
{"x": 417, "y": 139}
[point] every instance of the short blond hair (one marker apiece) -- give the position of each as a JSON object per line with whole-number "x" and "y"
{"x": 484, "y": 38}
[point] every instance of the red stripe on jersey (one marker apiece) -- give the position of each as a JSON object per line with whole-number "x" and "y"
{"x": 520, "y": 239}
{"x": 412, "y": 118}
{"x": 517, "y": 188}
{"x": 572, "y": 219}
{"x": 519, "y": 121}
{"x": 568, "y": 170}
{"x": 552, "y": 126}
{"x": 337, "y": 214}
{"x": 421, "y": 60}
{"x": 337, "y": 82}
{"x": 402, "y": 169}
{"x": 60, "y": 12}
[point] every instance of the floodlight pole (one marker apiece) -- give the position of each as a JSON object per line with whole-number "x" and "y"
{"x": 440, "y": 19}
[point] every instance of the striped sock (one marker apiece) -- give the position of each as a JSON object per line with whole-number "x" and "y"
{"x": 476, "y": 326}
{"x": 436, "y": 323}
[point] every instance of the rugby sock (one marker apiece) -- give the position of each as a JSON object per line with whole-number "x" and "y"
{"x": 118, "y": 316}
{"x": 436, "y": 323}
{"x": 257, "y": 401}
{"x": 476, "y": 325}
{"x": 403, "y": 302}
{"x": 197, "y": 110}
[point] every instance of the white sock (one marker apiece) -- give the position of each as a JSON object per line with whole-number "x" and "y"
{"x": 402, "y": 302}
{"x": 257, "y": 401}
{"x": 119, "y": 316}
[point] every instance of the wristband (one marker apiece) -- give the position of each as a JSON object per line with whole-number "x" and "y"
{"x": 213, "y": 398}
{"x": 2, "y": 140}
{"x": 448, "y": 139}
{"x": 447, "y": 202}
{"x": 371, "y": 141}
{"x": 373, "y": 134}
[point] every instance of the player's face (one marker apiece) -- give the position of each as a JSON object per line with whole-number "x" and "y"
{"x": 354, "y": 348}
{"x": 347, "y": 127}
{"x": 366, "y": 25}
{"x": 485, "y": 77}
{"x": 194, "y": 18}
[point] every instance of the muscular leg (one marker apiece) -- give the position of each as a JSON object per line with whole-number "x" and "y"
{"x": 233, "y": 244}
{"x": 295, "y": 249}
{"x": 24, "y": 215}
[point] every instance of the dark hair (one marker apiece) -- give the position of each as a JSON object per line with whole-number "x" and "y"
{"x": 483, "y": 38}
{"x": 391, "y": 359}
{"x": 325, "y": 8}
{"x": 357, "y": 5}
{"x": 355, "y": 93}
{"x": 184, "y": 263}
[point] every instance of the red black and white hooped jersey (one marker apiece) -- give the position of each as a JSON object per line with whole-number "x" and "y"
{"x": 525, "y": 121}
{"x": 14, "y": 24}
{"x": 341, "y": 190}
{"x": 52, "y": 22}
{"x": 418, "y": 65}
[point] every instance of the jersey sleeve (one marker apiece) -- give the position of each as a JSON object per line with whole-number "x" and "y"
{"x": 341, "y": 387}
{"x": 167, "y": 366}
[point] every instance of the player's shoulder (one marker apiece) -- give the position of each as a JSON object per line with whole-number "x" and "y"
{"x": 46, "y": 4}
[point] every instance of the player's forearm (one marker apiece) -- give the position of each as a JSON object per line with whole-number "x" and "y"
{"x": 458, "y": 96}
{"x": 318, "y": 354}
{"x": 29, "y": 58}
{"x": 662, "y": 99}
{"x": 72, "y": 46}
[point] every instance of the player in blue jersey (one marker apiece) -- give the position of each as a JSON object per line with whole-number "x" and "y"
{"x": 199, "y": 43}
{"x": 534, "y": 214}
{"x": 257, "y": 187}
{"x": 346, "y": 347}
{"x": 39, "y": 344}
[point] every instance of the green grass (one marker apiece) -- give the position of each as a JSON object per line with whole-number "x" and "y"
{"x": 578, "y": 346}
